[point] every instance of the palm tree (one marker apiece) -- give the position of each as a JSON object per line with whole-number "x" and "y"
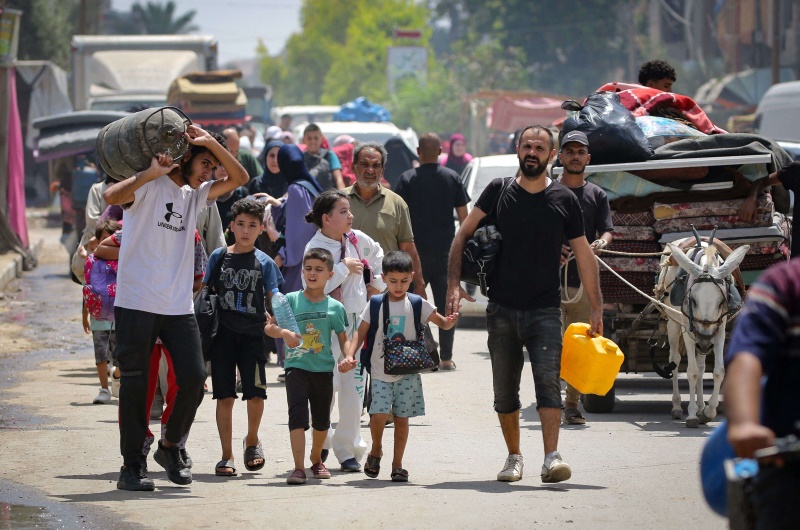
{"x": 157, "y": 18}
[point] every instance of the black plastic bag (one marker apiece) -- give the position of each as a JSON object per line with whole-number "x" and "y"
{"x": 614, "y": 137}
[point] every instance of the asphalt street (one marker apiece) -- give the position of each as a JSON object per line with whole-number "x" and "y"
{"x": 59, "y": 453}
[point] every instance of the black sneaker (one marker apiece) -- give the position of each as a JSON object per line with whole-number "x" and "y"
{"x": 134, "y": 478}
{"x": 170, "y": 459}
{"x": 187, "y": 460}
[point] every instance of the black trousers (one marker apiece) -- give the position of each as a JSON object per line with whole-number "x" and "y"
{"x": 434, "y": 269}
{"x": 137, "y": 332}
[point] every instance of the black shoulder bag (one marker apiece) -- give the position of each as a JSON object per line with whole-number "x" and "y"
{"x": 480, "y": 252}
{"x": 206, "y": 309}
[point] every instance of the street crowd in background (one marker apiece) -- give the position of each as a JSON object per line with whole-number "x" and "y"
{"x": 313, "y": 230}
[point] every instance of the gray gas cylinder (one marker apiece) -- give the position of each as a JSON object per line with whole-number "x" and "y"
{"x": 125, "y": 147}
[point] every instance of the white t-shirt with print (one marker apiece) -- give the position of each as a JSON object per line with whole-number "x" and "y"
{"x": 156, "y": 259}
{"x": 401, "y": 327}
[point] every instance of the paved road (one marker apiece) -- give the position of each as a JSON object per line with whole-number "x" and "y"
{"x": 633, "y": 467}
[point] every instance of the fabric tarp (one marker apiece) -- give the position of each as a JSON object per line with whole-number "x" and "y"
{"x": 49, "y": 92}
{"x": 509, "y": 114}
{"x": 72, "y": 133}
{"x": 16, "y": 170}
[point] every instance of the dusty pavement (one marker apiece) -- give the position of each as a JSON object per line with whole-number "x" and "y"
{"x": 633, "y": 467}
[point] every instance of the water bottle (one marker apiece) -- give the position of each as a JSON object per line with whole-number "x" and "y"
{"x": 283, "y": 312}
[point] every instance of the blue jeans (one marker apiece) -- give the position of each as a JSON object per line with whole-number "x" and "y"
{"x": 539, "y": 330}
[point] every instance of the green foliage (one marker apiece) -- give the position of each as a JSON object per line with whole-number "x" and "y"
{"x": 360, "y": 70}
{"x": 46, "y": 29}
{"x": 487, "y": 66}
{"x": 309, "y": 54}
{"x": 436, "y": 106}
{"x": 159, "y": 19}
{"x": 340, "y": 52}
{"x": 564, "y": 47}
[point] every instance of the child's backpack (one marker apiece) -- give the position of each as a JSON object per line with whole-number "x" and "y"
{"x": 375, "y": 304}
{"x": 100, "y": 287}
{"x": 320, "y": 168}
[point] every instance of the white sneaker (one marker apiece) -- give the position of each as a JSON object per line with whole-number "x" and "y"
{"x": 512, "y": 471}
{"x": 555, "y": 469}
{"x": 115, "y": 384}
{"x": 103, "y": 397}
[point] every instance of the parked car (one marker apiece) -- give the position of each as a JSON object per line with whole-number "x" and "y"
{"x": 304, "y": 113}
{"x": 476, "y": 176}
{"x": 777, "y": 116}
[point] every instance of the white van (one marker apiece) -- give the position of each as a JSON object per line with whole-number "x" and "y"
{"x": 778, "y": 116}
{"x": 305, "y": 113}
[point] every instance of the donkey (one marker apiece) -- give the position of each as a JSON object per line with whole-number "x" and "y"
{"x": 703, "y": 297}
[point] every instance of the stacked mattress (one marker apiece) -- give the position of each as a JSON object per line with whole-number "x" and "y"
{"x": 767, "y": 235}
{"x": 633, "y": 233}
{"x": 210, "y": 97}
{"x": 650, "y": 231}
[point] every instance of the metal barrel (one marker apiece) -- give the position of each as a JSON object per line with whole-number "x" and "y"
{"x": 125, "y": 147}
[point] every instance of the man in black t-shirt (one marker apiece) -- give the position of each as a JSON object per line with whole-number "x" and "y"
{"x": 534, "y": 215}
{"x": 574, "y": 157}
{"x": 431, "y": 192}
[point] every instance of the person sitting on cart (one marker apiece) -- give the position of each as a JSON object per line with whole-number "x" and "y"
{"x": 657, "y": 74}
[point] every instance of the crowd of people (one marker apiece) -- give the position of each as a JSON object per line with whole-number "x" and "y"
{"x": 288, "y": 229}
{"x": 325, "y": 236}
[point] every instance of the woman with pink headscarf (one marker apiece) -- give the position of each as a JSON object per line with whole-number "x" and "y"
{"x": 457, "y": 157}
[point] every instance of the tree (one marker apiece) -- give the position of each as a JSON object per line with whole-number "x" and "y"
{"x": 567, "y": 47}
{"x": 359, "y": 67}
{"x": 158, "y": 19}
{"x": 309, "y": 54}
{"x": 46, "y": 29}
{"x": 437, "y": 106}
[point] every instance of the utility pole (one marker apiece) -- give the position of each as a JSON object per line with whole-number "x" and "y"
{"x": 776, "y": 41}
{"x": 796, "y": 31}
{"x": 84, "y": 16}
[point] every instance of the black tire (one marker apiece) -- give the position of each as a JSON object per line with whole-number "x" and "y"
{"x": 599, "y": 404}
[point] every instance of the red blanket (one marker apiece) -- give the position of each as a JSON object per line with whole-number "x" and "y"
{"x": 639, "y": 100}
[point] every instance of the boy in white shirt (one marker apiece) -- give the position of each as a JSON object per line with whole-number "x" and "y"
{"x": 400, "y": 394}
{"x": 154, "y": 294}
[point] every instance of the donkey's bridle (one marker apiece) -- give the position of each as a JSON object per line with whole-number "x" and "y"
{"x": 687, "y": 308}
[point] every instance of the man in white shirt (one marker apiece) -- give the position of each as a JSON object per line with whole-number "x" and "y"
{"x": 154, "y": 294}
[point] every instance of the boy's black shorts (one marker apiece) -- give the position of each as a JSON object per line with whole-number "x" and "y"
{"x": 230, "y": 350}
{"x": 306, "y": 389}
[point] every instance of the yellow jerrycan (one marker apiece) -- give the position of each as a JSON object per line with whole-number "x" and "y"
{"x": 590, "y": 364}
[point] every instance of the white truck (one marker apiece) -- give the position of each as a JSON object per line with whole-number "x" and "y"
{"x": 122, "y": 71}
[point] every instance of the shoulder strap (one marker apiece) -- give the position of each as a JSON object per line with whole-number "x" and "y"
{"x": 308, "y": 186}
{"x": 385, "y": 304}
{"x": 496, "y": 203}
{"x": 351, "y": 235}
{"x": 416, "y": 306}
{"x": 374, "y": 315}
{"x": 217, "y": 269}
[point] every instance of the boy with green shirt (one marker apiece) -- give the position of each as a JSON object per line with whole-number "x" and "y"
{"x": 309, "y": 361}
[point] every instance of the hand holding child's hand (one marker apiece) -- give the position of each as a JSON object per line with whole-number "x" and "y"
{"x": 347, "y": 364}
{"x": 451, "y": 317}
{"x": 292, "y": 340}
{"x": 354, "y": 266}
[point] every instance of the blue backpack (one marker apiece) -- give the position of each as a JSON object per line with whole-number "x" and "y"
{"x": 374, "y": 315}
